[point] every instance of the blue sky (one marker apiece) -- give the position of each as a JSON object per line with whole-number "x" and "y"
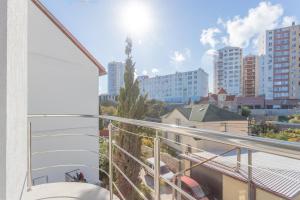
{"x": 183, "y": 35}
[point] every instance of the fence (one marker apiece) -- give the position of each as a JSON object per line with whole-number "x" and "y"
{"x": 237, "y": 142}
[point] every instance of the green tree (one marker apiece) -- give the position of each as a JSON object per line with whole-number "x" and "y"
{"x": 295, "y": 119}
{"x": 109, "y": 110}
{"x": 155, "y": 108}
{"x": 131, "y": 105}
{"x": 101, "y": 124}
{"x": 245, "y": 111}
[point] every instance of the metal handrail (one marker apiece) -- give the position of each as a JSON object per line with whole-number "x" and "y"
{"x": 287, "y": 149}
{"x": 272, "y": 146}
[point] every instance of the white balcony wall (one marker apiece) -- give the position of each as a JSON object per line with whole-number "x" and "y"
{"x": 13, "y": 98}
{"x": 62, "y": 80}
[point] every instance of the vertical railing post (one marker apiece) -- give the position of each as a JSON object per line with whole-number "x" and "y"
{"x": 225, "y": 126}
{"x": 179, "y": 185}
{"x": 29, "y": 175}
{"x": 156, "y": 166}
{"x": 179, "y": 182}
{"x": 250, "y": 194}
{"x": 110, "y": 156}
{"x": 238, "y": 159}
{"x": 173, "y": 189}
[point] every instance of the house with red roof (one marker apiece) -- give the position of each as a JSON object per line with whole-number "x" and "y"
{"x": 222, "y": 99}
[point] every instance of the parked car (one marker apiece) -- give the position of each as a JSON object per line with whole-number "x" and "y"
{"x": 193, "y": 188}
{"x": 164, "y": 170}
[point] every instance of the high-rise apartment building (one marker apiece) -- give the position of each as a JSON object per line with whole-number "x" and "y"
{"x": 228, "y": 70}
{"x": 282, "y": 62}
{"x": 265, "y": 78}
{"x": 116, "y": 72}
{"x": 250, "y": 76}
{"x": 178, "y": 88}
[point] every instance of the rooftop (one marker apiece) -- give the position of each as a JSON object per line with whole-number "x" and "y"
{"x": 278, "y": 174}
{"x": 208, "y": 113}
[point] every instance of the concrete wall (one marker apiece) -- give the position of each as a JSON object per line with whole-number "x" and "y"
{"x": 234, "y": 189}
{"x": 262, "y": 195}
{"x": 209, "y": 178}
{"x": 239, "y": 127}
{"x": 13, "y": 98}
{"x": 62, "y": 80}
{"x": 274, "y": 112}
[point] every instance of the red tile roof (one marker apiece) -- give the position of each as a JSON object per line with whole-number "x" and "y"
{"x": 222, "y": 91}
{"x": 70, "y": 36}
{"x": 230, "y": 98}
{"x": 214, "y": 96}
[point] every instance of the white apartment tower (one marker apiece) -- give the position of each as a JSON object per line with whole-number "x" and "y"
{"x": 177, "y": 88}
{"x": 116, "y": 72}
{"x": 282, "y": 63}
{"x": 228, "y": 70}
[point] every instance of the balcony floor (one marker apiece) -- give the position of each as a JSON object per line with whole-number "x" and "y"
{"x": 67, "y": 191}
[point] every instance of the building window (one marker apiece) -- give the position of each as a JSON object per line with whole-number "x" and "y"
{"x": 166, "y": 134}
{"x": 178, "y": 138}
{"x": 177, "y": 122}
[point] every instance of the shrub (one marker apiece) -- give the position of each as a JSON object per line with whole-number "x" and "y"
{"x": 294, "y": 121}
{"x": 147, "y": 142}
{"x": 283, "y": 118}
{"x": 263, "y": 127}
{"x": 245, "y": 111}
{"x": 292, "y": 135}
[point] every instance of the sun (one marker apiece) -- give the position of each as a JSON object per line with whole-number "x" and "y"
{"x": 136, "y": 18}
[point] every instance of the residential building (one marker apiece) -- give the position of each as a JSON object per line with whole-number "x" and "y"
{"x": 222, "y": 100}
{"x": 62, "y": 78}
{"x": 228, "y": 70}
{"x": 108, "y": 98}
{"x": 283, "y": 59}
{"x": 265, "y": 78}
{"x": 203, "y": 116}
{"x": 177, "y": 88}
{"x": 250, "y": 76}
{"x": 234, "y": 103}
{"x": 115, "y": 79}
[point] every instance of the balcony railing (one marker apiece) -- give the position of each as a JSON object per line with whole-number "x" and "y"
{"x": 238, "y": 143}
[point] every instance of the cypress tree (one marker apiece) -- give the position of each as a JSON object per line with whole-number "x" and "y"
{"x": 131, "y": 105}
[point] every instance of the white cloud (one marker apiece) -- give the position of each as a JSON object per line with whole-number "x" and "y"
{"x": 208, "y": 36}
{"x": 179, "y": 57}
{"x": 288, "y": 20}
{"x": 207, "y": 64}
{"x": 145, "y": 72}
{"x": 241, "y": 30}
{"x": 154, "y": 70}
{"x": 220, "y": 21}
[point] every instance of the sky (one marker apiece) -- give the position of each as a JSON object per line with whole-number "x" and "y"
{"x": 170, "y": 35}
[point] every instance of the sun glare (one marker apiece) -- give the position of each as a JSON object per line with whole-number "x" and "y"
{"x": 136, "y": 18}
